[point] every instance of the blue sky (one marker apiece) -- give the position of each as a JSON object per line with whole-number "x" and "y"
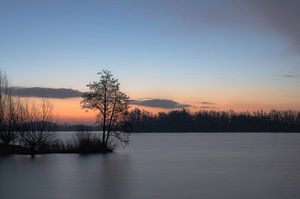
{"x": 238, "y": 51}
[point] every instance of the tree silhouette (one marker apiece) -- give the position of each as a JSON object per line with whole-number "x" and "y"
{"x": 8, "y": 113}
{"x": 36, "y": 125}
{"x": 110, "y": 104}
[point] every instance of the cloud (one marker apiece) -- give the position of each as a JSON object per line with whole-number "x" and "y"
{"x": 206, "y": 103}
{"x": 60, "y": 93}
{"x": 281, "y": 16}
{"x": 190, "y": 15}
{"x": 207, "y": 107}
{"x": 159, "y": 103}
{"x": 289, "y": 76}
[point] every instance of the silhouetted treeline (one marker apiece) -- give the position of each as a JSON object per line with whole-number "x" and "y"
{"x": 73, "y": 127}
{"x": 214, "y": 121}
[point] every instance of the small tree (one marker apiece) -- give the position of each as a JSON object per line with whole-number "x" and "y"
{"x": 111, "y": 105}
{"x": 36, "y": 125}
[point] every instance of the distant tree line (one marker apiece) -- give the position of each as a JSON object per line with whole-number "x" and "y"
{"x": 73, "y": 127}
{"x": 214, "y": 121}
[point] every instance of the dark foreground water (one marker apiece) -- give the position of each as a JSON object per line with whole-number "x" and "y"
{"x": 163, "y": 166}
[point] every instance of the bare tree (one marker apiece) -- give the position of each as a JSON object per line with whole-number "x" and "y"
{"x": 36, "y": 125}
{"x": 110, "y": 104}
{"x": 8, "y": 113}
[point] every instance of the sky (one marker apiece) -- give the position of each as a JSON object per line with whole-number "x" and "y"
{"x": 209, "y": 54}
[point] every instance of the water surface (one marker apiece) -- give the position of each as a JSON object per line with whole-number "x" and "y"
{"x": 203, "y": 165}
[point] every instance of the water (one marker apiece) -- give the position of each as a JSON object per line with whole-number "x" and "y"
{"x": 215, "y": 165}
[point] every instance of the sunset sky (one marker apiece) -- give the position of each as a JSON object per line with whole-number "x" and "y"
{"x": 213, "y": 54}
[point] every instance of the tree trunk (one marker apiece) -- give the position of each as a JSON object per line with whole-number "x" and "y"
{"x": 32, "y": 151}
{"x": 103, "y": 135}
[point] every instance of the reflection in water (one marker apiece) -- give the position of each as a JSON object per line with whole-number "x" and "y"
{"x": 116, "y": 171}
{"x": 163, "y": 166}
{"x": 70, "y": 176}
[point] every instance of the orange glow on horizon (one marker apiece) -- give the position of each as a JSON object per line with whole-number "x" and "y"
{"x": 69, "y": 110}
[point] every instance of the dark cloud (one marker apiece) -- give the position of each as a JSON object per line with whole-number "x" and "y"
{"x": 160, "y": 103}
{"x": 62, "y": 93}
{"x": 281, "y": 16}
{"x": 45, "y": 92}
{"x": 194, "y": 14}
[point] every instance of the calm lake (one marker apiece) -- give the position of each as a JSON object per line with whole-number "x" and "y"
{"x": 154, "y": 166}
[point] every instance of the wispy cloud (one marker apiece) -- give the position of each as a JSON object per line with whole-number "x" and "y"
{"x": 289, "y": 76}
{"x": 159, "y": 103}
{"x": 206, "y": 103}
{"x": 207, "y": 107}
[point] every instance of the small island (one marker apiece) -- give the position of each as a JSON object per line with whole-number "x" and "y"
{"x": 29, "y": 128}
